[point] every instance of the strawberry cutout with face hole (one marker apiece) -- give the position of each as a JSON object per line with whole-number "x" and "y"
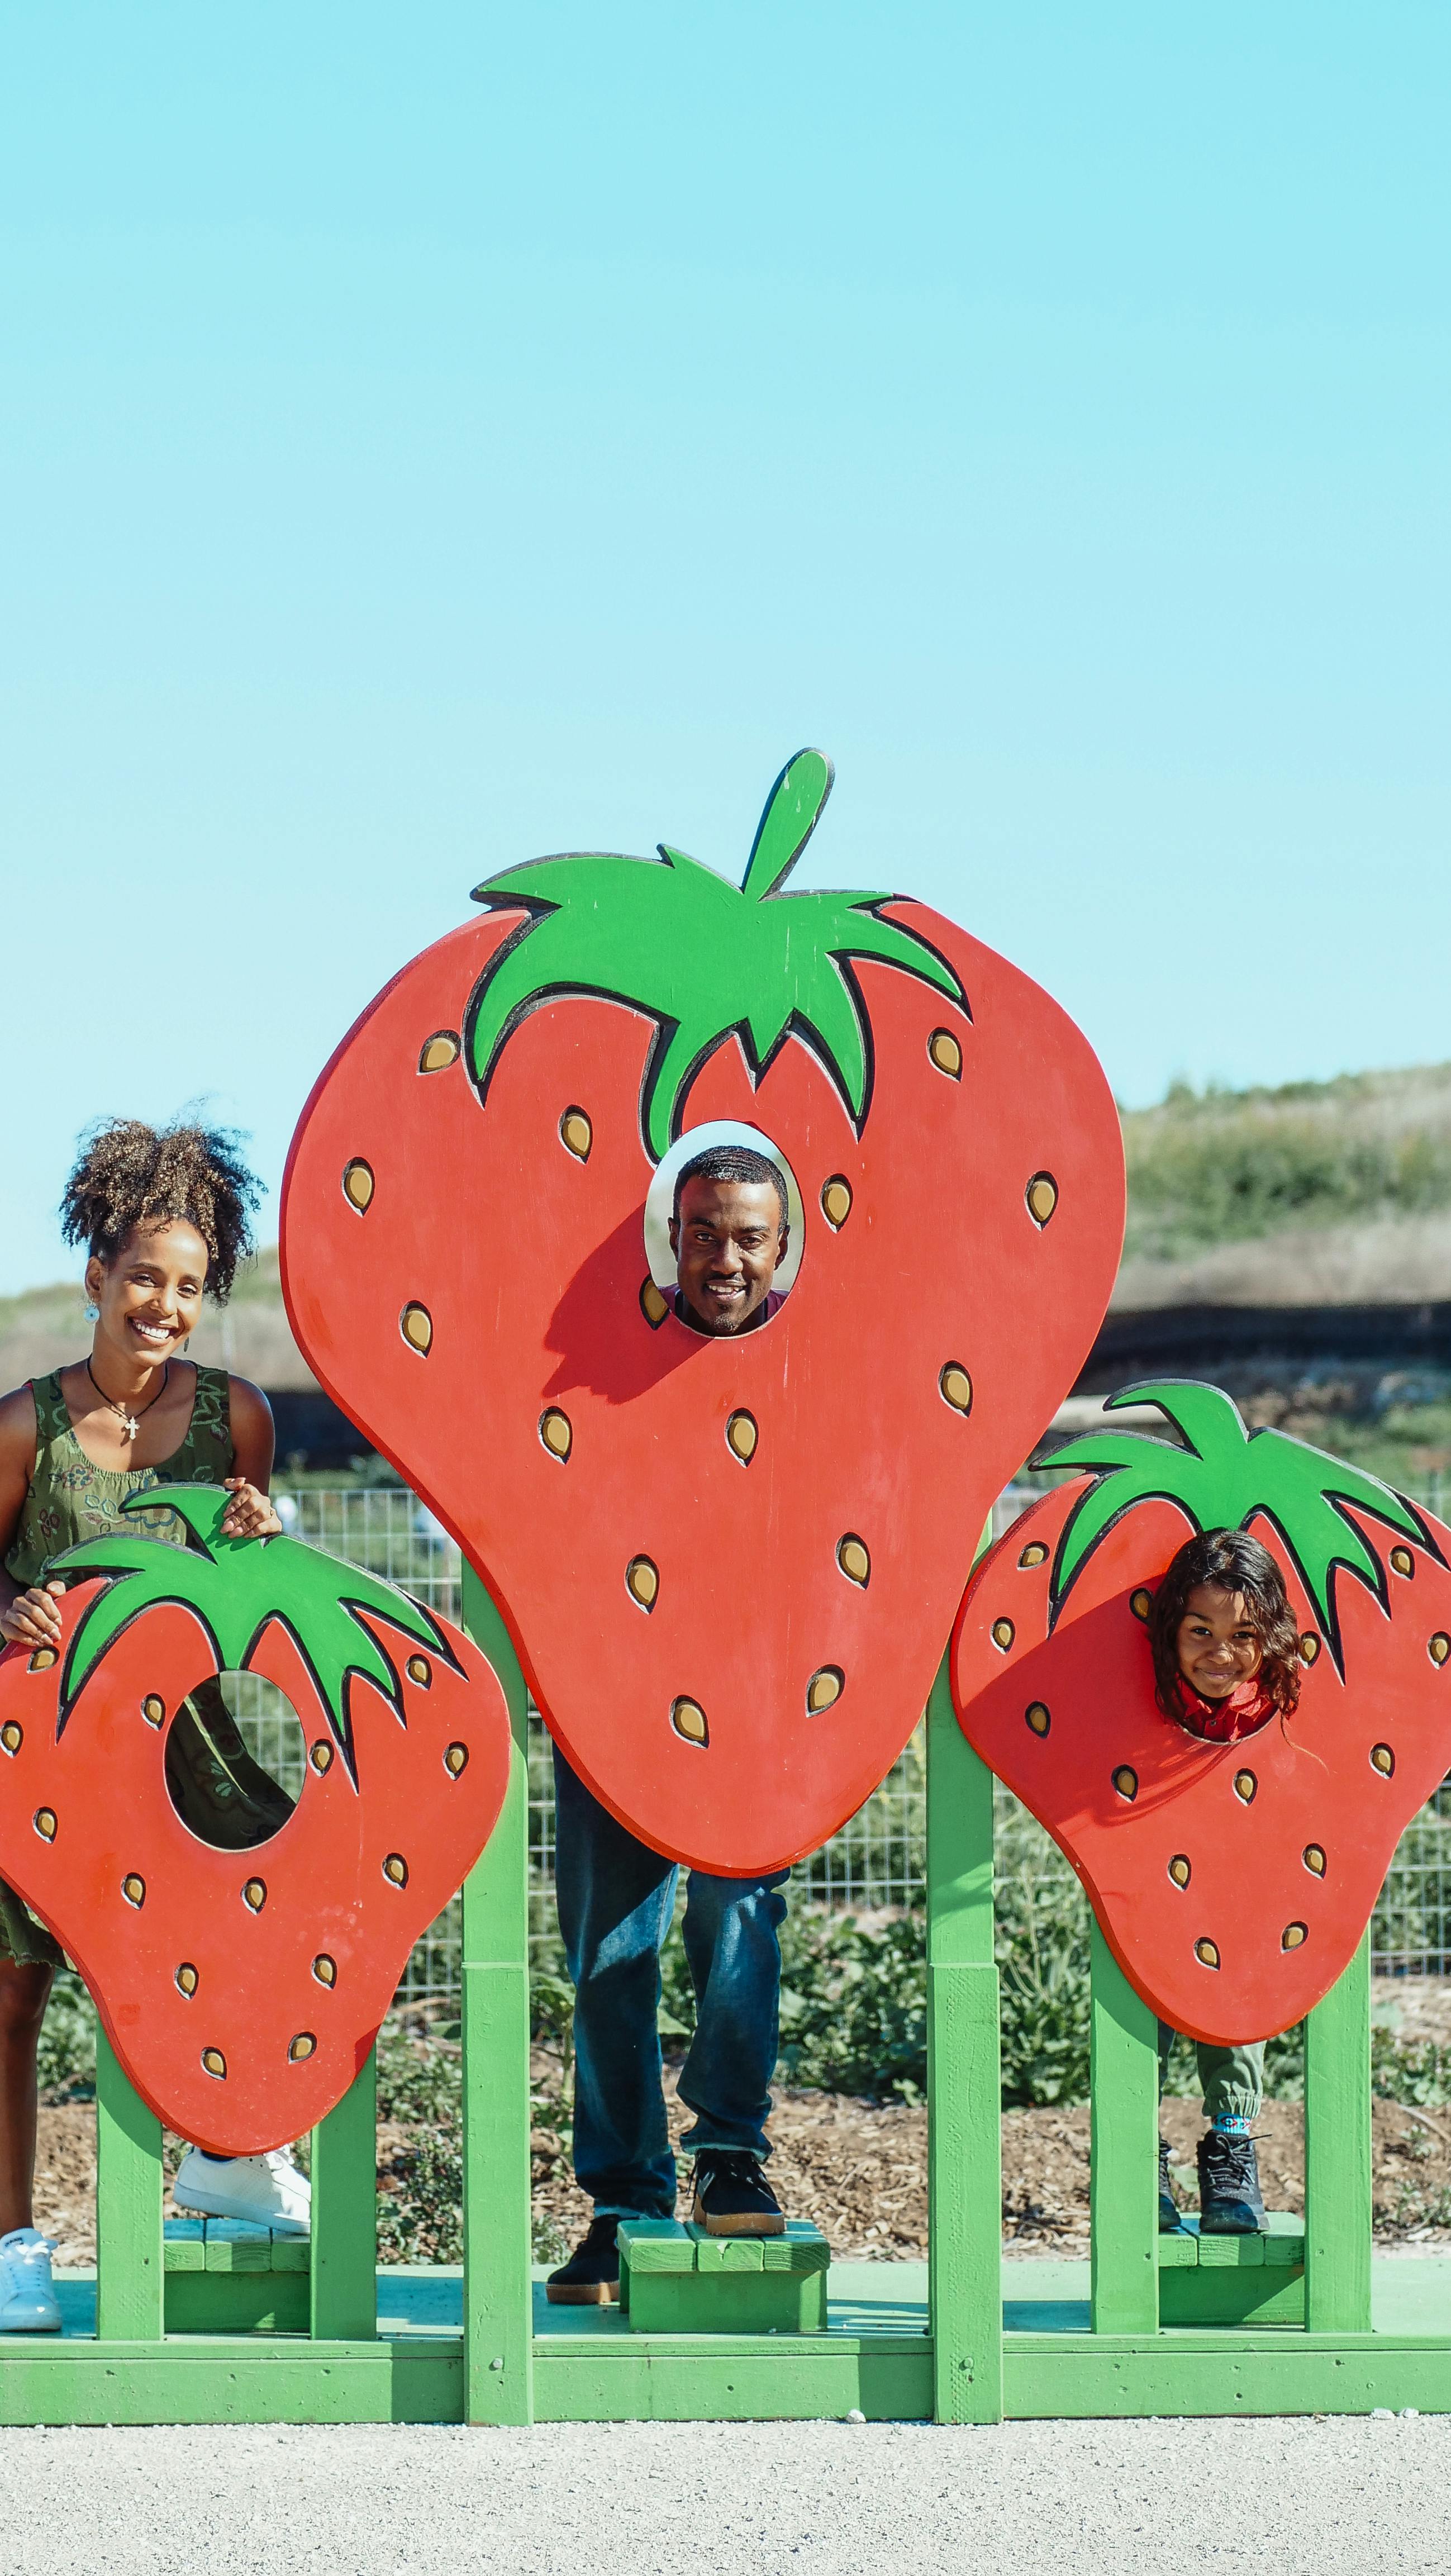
{"x": 729, "y": 1564}
{"x": 1233, "y": 1881}
{"x": 242, "y": 1990}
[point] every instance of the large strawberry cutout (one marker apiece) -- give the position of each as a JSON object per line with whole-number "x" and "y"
{"x": 242, "y": 1990}
{"x": 729, "y": 1566}
{"x": 1233, "y": 1881}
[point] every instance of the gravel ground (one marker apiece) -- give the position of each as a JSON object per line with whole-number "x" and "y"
{"x": 1300, "y": 2497}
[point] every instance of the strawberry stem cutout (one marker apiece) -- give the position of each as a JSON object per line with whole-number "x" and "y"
{"x": 1221, "y": 1480}
{"x": 235, "y": 1586}
{"x": 700, "y": 957}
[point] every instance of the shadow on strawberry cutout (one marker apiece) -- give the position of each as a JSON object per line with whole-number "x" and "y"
{"x": 729, "y": 1566}
{"x": 242, "y": 1990}
{"x": 1232, "y": 1881}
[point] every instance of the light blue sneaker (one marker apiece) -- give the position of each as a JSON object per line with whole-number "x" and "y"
{"x": 28, "y": 2303}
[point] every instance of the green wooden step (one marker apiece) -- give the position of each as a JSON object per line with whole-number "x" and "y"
{"x": 227, "y": 2276}
{"x": 679, "y": 2280}
{"x": 1234, "y": 2280}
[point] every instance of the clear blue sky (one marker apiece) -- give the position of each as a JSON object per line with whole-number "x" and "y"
{"x": 438, "y": 436}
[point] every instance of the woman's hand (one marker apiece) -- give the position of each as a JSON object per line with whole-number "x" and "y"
{"x": 33, "y": 1618}
{"x": 249, "y": 1514}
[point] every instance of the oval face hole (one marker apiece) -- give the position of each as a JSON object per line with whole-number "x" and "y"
{"x": 1141, "y": 1603}
{"x": 742, "y": 1436}
{"x": 41, "y": 1660}
{"x": 1207, "y": 1954}
{"x": 325, "y": 1969}
{"x": 133, "y": 1888}
{"x": 824, "y": 1688}
{"x": 395, "y": 1870}
{"x": 1003, "y": 1634}
{"x": 654, "y": 1304}
{"x": 1402, "y": 1561}
{"x": 557, "y": 1433}
{"x": 688, "y": 1719}
{"x": 955, "y": 1387}
{"x": 1309, "y": 1649}
{"x": 321, "y": 1757}
{"x": 1180, "y": 1870}
{"x": 1383, "y": 1760}
{"x": 455, "y": 1759}
{"x": 1314, "y": 1859}
{"x": 215, "y": 2064}
{"x": 416, "y": 1326}
{"x": 1037, "y": 1718}
{"x": 836, "y": 1201}
{"x": 576, "y": 1134}
{"x": 12, "y": 1736}
{"x": 45, "y": 1823}
{"x": 439, "y": 1052}
{"x": 642, "y": 1581}
{"x": 254, "y": 1894}
{"x": 301, "y": 2045}
{"x": 1126, "y": 1782}
{"x": 358, "y": 1185}
{"x": 1042, "y": 1197}
{"x": 1245, "y": 1785}
{"x": 248, "y": 1794}
{"x": 1292, "y": 1936}
{"x": 852, "y": 1557}
{"x": 187, "y": 1979}
{"x": 1034, "y": 1554}
{"x": 1439, "y": 1648}
{"x": 153, "y": 1709}
{"x": 419, "y": 1670}
{"x": 945, "y": 1053}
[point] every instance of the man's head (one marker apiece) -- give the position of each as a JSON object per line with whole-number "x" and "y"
{"x": 728, "y": 1233}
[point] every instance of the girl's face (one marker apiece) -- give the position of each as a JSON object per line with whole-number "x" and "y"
{"x": 150, "y": 1296}
{"x": 1217, "y": 1644}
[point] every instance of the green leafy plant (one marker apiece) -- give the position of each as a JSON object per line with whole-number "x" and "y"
{"x": 701, "y": 957}
{"x": 1220, "y": 1479}
{"x": 235, "y": 1586}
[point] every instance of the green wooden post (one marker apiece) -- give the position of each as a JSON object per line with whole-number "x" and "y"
{"x": 130, "y": 2279}
{"x": 1124, "y": 2140}
{"x": 344, "y": 2292}
{"x": 1338, "y": 2155}
{"x": 965, "y": 2191}
{"x": 498, "y": 2281}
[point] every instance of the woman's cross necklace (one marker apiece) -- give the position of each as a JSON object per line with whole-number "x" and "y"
{"x": 130, "y": 1422}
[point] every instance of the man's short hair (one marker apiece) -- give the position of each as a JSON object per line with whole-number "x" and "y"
{"x": 731, "y": 1163}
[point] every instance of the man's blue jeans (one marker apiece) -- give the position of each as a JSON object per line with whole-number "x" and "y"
{"x": 616, "y": 1905}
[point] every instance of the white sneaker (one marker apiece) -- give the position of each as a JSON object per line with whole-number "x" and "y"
{"x": 28, "y": 2303}
{"x": 268, "y": 2190}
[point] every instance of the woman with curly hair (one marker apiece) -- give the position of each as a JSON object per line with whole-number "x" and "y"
{"x": 165, "y": 1219}
{"x": 1226, "y": 1661}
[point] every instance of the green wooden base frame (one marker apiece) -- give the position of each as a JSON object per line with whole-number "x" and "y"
{"x": 214, "y": 2326}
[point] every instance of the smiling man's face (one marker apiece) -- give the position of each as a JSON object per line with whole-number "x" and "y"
{"x": 728, "y": 1242}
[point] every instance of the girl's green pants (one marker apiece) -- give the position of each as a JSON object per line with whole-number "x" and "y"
{"x": 1232, "y": 2079}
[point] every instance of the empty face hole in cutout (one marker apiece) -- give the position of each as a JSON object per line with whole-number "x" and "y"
{"x": 701, "y": 1261}
{"x": 1037, "y": 1718}
{"x": 1035, "y": 1553}
{"x": 235, "y": 1761}
{"x": 854, "y": 1559}
{"x": 358, "y": 1184}
{"x": 576, "y": 1134}
{"x": 438, "y": 1052}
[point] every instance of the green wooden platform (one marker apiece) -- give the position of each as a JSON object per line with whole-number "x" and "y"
{"x": 214, "y": 2327}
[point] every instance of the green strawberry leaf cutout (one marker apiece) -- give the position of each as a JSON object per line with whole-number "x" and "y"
{"x": 701, "y": 957}
{"x": 1220, "y": 1480}
{"x": 235, "y": 1586}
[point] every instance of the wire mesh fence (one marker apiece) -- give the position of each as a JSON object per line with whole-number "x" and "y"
{"x": 873, "y": 1866}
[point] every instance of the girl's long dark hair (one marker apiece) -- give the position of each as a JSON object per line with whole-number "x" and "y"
{"x": 129, "y": 1174}
{"x": 1231, "y": 1561}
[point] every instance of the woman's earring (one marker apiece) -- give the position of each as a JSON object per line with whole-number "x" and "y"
{"x": 93, "y": 1314}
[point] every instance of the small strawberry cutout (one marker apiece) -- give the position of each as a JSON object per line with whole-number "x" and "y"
{"x": 1233, "y": 1881}
{"x": 242, "y": 1990}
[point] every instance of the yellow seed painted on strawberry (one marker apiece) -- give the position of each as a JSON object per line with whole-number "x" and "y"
{"x": 187, "y": 1979}
{"x": 742, "y": 1436}
{"x": 1003, "y": 1634}
{"x": 823, "y": 1688}
{"x": 1245, "y": 1785}
{"x": 41, "y": 1660}
{"x": 1402, "y": 1561}
{"x": 133, "y": 1888}
{"x": 416, "y": 1326}
{"x": 642, "y": 1581}
{"x": 439, "y": 1051}
{"x": 1042, "y": 1197}
{"x": 654, "y": 1304}
{"x": 12, "y": 1736}
{"x": 1309, "y": 1648}
{"x": 254, "y": 1894}
{"x": 576, "y": 1134}
{"x": 153, "y": 1709}
{"x": 1180, "y": 1870}
{"x": 301, "y": 2046}
{"x": 1383, "y": 1759}
{"x": 836, "y": 1201}
{"x": 321, "y": 1757}
{"x": 419, "y": 1670}
{"x": 1141, "y": 1603}
{"x": 557, "y": 1433}
{"x": 1207, "y": 1954}
{"x": 688, "y": 1719}
{"x": 946, "y": 1054}
{"x": 45, "y": 1823}
{"x": 325, "y": 1969}
{"x": 1314, "y": 1859}
{"x": 1035, "y": 1553}
{"x": 1038, "y": 1718}
{"x": 455, "y": 1759}
{"x": 358, "y": 1184}
{"x": 955, "y": 1387}
{"x": 1126, "y": 1781}
{"x": 1439, "y": 1648}
{"x": 215, "y": 2063}
{"x": 852, "y": 1557}
{"x": 395, "y": 1870}
{"x": 1292, "y": 1936}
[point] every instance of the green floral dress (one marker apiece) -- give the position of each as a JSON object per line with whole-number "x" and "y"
{"x": 220, "y": 1793}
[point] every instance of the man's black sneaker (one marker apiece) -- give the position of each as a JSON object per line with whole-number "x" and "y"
{"x": 591, "y": 2277}
{"x": 733, "y": 2197}
{"x": 1169, "y": 2218}
{"x": 1229, "y": 2185}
